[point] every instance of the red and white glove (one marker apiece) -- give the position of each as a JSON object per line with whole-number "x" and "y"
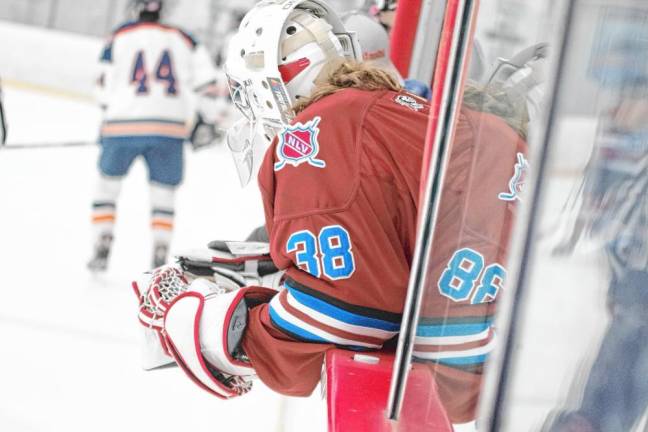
{"x": 155, "y": 291}
{"x": 200, "y": 326}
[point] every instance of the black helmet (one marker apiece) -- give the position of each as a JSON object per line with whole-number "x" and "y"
{"x": 147, "y": 8}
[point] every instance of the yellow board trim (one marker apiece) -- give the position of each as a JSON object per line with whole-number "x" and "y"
{"x": 45, "y": 89}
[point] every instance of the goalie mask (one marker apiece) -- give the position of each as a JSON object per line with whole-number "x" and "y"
{"x": 281, "y": 49}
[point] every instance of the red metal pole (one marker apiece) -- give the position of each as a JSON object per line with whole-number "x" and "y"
{"x": 403, "y": 34}
{"x": 440, "y": 72}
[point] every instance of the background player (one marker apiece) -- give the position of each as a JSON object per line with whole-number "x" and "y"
{"x": 340, "y": 185}
{"x": 373, "y": 40}
{"x": 153, "y": 76}
{"x": 385, "y": 11}
{"x": 614, "y": 211}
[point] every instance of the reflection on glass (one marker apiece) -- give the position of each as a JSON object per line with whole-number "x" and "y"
{"x": 579, "y": 360}
{"x": 483, "y": 187}
{"x": 614, "y": 214}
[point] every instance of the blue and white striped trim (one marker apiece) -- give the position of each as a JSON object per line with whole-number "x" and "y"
{"x": 452, "y": 334}
{"x": 293, "y": 325}
{"x": 339, "y": 318}
{"x": 322, "y": 320}
{"x": 458, "y": 358}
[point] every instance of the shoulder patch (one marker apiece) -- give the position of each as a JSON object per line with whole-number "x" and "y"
{"x": 409, "y": 102}
{"x": 298, "y": 144}
{"x": 517, "y": 181}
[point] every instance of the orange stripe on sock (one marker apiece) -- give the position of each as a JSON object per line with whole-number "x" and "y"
{"x": 160, "y": 224}
{"x": 103, "y": 218}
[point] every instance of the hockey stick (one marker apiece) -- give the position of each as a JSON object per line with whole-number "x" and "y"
{"x": 3, "y": 126}
{"x": 48, "y": 145}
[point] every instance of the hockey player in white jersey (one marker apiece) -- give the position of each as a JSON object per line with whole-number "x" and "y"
{"x": 152, "y": 80}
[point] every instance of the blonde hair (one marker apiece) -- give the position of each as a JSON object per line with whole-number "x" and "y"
{"x": 493, "y": 100}
{"x": 340, "y": 75}
{"x": 347, "y": 74}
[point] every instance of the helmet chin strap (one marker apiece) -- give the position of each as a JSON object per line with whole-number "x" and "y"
{"x": 255, "y": 60}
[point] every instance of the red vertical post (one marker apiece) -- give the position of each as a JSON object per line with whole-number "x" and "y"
{"x": 403, "y": 34}
{"x": 452, "y": 58}
{"x": 440, "y": 73}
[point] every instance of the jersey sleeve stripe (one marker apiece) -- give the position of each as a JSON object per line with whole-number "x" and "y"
{"x": 311, "y": 303}
{"x": 343, "y": 333}
{"x": 464, "y": 361}
{"x": 304, "y": 331}
{"x": 368, "y": 312}
{"x": 452, "y": 340}
{"x": 357, "y": 328}
{"x": 455, "y": 351}
{"x": 473, "y": 355}
{"x": 449, "y": 329}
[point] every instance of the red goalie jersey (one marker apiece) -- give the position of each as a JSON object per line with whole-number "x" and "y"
{"x": 340, "y": 189}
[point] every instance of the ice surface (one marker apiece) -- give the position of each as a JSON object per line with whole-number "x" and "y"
{"x": 69, "y": 355}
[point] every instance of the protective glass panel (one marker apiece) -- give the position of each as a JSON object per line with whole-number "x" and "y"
{"x": 482, "y": 191}
{"x": 579, "y": 356}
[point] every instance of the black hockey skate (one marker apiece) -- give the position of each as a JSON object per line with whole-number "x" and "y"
{"x": 99, "y": 261}
{"x": 160, "y": 252}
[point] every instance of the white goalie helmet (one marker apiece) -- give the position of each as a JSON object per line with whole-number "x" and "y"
{"x": 275, "y": 58}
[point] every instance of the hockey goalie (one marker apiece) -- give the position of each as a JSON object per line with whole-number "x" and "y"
{"x": 339, "y": 147}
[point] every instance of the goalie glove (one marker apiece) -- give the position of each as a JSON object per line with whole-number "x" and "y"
{"x": 204, "y": 134}
{"x": 203, "y": 331}
{"x": 200, "y": 327}
{"x": 233, "y": 264}
{"x": 155, "y": 291}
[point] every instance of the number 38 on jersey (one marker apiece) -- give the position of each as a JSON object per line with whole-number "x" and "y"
{"x": 329, "y": 253}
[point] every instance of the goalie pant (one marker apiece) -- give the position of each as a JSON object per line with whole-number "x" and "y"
{"x": 357, "y": 198}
